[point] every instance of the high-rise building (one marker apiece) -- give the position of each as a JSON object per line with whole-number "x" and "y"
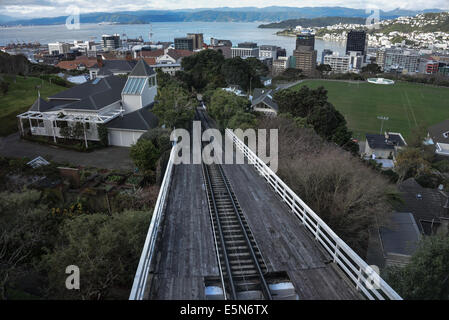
{"x": 305, "y": 41}
{"x": 110, "y": 42}
{"x": 197, "y": 40}
{"x": 184, "y": 44}
{"x": 401, "y": 60}
{"x": 305, "y": 60}
{"x": 356, "y": 41}
{"x": 305, "y": 54}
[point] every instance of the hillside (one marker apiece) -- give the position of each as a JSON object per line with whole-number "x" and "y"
{"x": 314, "y": 22}
{"x": 249, "y": 14}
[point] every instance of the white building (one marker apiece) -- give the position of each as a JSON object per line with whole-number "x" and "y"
{"x": 58, "y": 48}
{"x": 268, "y": 52}
{"x": 245, "y": 50}
{"x": 339, "y": 64}
{"x": 122, "y": 104}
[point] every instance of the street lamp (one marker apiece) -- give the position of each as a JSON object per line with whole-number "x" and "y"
{"x": 382, "y": 123}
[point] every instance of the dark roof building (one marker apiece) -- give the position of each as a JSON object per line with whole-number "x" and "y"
{"x": 262, "y": 101}
{"x": 438, "y": 135}
{"x": 356, "y": 41}
{"x": 122, "y": 104}
{"x": 142, "y": 119}
{"x": 379, "y": 146}
{"x": 440, "y": 132}
{"x": 114, "y": 67}
{"x": 425, "y": 204}
{"x": 394, "y": 243}
{"x": 388, "y": 141}
{"x": 142, "y": 69}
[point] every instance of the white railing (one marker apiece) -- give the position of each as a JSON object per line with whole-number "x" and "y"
{"x": 141, "y": 277}
{"x": 362, "y": 275}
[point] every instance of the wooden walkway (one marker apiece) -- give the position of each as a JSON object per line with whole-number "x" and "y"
{"x": 186, "y": 252}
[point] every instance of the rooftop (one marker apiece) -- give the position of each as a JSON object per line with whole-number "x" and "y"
{"x": 385, "y": 141}
{"x": 440, "y": 132}
{"x": 91, "y": 95}
{"x": 141, "y": 119}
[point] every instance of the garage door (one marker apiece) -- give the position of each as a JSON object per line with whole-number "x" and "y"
{"x": 123, "y": 138}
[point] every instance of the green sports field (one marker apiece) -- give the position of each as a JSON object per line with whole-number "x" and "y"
{"x": 406, "y": 104}
{"x": 21, "y": 95}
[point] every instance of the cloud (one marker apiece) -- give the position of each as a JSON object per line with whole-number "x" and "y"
{"x": 44, "y": 8}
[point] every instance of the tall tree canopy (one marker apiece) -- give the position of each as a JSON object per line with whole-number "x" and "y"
{"x": 426, "y": 277}
{"x": 174, "y": 106}
{"x": 225, "y": 105}
{"x": 312, "y": 105}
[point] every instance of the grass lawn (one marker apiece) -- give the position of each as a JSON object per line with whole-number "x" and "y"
{"x": 19, "y": 98}
{"x": 406, "y": 104}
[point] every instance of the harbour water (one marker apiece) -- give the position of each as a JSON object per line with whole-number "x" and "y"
{"x": 162, "y": 31}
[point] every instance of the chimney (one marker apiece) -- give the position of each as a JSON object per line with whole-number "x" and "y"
{"x": 99, "y": 61}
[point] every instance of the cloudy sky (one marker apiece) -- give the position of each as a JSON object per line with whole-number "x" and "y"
{"x": 44, "y": 8}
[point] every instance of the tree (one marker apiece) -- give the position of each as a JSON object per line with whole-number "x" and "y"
{"x": 202, "y": 69}
{"x": 25, "y": 230}
{"x": 372, "y": 68}
{"x": 426, "y": 276}
{"x": 350, "y": 197}
{"x": 226, "y": 105}
{"x": 411, "y": 162}
{"x": 106, "y": 249}
{"x": 240, "y": 72}
{"x": 257, "y": 67}
{"x": 160, "y": 138}
{"x": 144, "y": 155}
{"x": 242, "y": 120}
{"x": 103, "y": 134}
{"x": 324, "y": 68}
{"x": 78, "y": 131}
{"x": 174, "y": 106}
{"x": 302, "y": 102}
{"x": 4, "y": 87}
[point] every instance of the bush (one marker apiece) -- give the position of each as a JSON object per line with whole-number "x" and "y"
{"x": 106, "y": 249}
{"x": 145, "y": 155}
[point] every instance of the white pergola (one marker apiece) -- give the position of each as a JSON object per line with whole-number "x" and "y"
{"x": 82, "y": 118}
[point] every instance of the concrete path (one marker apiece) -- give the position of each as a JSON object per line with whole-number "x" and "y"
{"x": 107, "y": 158}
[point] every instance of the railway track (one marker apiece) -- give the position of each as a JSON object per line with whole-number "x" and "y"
{"x": 241, "y": 264}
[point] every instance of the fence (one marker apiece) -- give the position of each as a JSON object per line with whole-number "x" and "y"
{"x": 362, "y": 275}
{"x": 141, "y": 277}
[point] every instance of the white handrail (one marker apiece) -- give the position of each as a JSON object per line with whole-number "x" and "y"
{"x": 350, "y": 262}
{"x": 141, "y": 277}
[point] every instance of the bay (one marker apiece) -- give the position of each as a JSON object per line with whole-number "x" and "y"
{"x": 162, "y": 31}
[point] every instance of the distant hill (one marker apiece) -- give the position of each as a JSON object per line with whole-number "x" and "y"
{"x": 248, "y": 14}
{"x": 314, "y": 22}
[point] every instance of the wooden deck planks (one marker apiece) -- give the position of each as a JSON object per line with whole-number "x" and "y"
{"x": 186, "y": 247}
{"x": 284, "y": 242}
